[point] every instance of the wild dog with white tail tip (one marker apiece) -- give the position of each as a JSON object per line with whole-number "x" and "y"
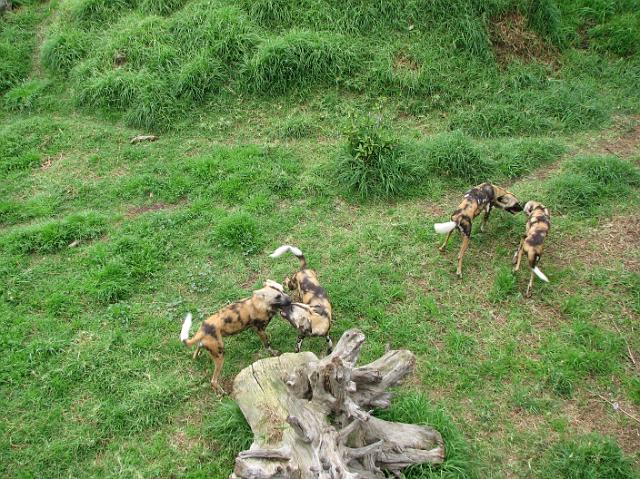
{"x": 256, "y": 312}
{"x": 532, "y": 242}
{"x": 311, "y": 315}
{"x": 480, "y": 199}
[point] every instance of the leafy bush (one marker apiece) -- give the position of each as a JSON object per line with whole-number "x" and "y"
{"x": 239, "y": 231}
{"x": 372, "y": 163}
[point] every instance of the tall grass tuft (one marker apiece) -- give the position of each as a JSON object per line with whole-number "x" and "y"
{"x": 25, "y": 97}
{"x": 414, "y": 408}
{"x": 587, "y": 181}
{"x": 62, "y": 50}
{"x": 456, "y": 156}
{"x": 199, "y": 78}
{"x": 592, "y": 456}
{"x": 298, "y": 59}
{"x": 620, "y": 35}
{"x": 239, "y": 231}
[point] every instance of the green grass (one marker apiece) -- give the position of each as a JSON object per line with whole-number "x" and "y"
{"x": 255, "y": 104}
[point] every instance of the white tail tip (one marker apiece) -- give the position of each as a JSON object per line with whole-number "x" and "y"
{"x": 540, "y": 274}
{"x": 186, "y": 326}
{"x": 443, "y": 228}
{"x": 283, "y": 249}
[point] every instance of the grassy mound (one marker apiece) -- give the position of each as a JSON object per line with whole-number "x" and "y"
{"x": 169, "y": 56}
{"x": 588, "y": 181}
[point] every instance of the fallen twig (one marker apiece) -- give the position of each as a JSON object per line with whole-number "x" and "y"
{"x": 616, "y": 406}
{"x": 629, "y": 352}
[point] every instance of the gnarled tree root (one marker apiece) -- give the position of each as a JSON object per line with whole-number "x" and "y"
{"x": 311, "y": 417}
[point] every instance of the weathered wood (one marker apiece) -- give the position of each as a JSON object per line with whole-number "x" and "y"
{"x": 141, "y": 138}
{"x": 311, "y": 417}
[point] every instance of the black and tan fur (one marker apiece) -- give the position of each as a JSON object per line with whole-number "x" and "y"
{"x": 482, "y": 198}
{"x": 532, "y": 242}
{"x": 311, "y": 314}
{"x": 255, "y": 311}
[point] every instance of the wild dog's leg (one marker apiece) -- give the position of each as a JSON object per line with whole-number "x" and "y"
{"x": 485, "y": 218}
{"x": 530, "y": 286}
{"x": 329, "y": 345}
{"x": 196, "y": 353}
{"x": 463, "y": 248}
{"x": 517, "y": 256}
{"x": 216, "y": 349}
{"x": 446, "y": 240}
{"x": 299, "y": 343}
{"x": 260, "y": 329}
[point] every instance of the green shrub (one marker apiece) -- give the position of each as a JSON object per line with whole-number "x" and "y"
{"x": 372, "y": 163}
{"x": 454, "y": 155}
{"x": 63, "y": 50}
{"x": 298, "y": 59}
{"x": 620, "y": 35}
{"x": 239, "y": 231}
{"x": 588, "y": 457}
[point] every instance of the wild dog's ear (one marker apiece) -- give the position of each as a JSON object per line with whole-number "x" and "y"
{"x": 272, "y": 284}
{"x": 528, "y": 208}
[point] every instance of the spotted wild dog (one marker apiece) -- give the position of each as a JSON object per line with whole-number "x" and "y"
{"x": 480, "y": 199}
{"x": 256, "y": 312}
{"x": 311, "y": 313}
{"x": 532, "y": 242}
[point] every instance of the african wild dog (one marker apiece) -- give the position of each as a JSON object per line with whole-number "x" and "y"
{"x": 532, "y": 242}
{"x": 311, "y": 314}
{"x": 256, "y": 312}
{"x": 480, "y": 199}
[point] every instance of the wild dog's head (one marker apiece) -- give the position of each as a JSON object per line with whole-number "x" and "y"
{"x": 272, "y": 295}
{"x": 532, "y": 205}
{"x": 506, "y": 200}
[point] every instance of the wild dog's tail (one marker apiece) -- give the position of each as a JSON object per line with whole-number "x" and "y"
{"x": 293, "y": 250}
{"x": 540, "y": 274}
{"x": 443, "y": 228}
{"x": 186, "y": 326}
{"x": 184, "y": 332}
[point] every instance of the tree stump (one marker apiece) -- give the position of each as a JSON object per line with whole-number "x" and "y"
{"x": 311, "y": 417}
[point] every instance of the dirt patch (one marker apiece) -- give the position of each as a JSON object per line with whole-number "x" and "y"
{"x": 626, "y": 143}
{"x": 139, "y": 210}
{"x": 50, "y": 160}
{"x": 512, "y": 39}
{"x": 594, "y": 415}
{"x": 617, "y": 238}
{"x": 403, "y": 62}
{"x": 251, "y": 279}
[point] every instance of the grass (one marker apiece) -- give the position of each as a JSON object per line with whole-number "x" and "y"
{"x": 254, "y": 103}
